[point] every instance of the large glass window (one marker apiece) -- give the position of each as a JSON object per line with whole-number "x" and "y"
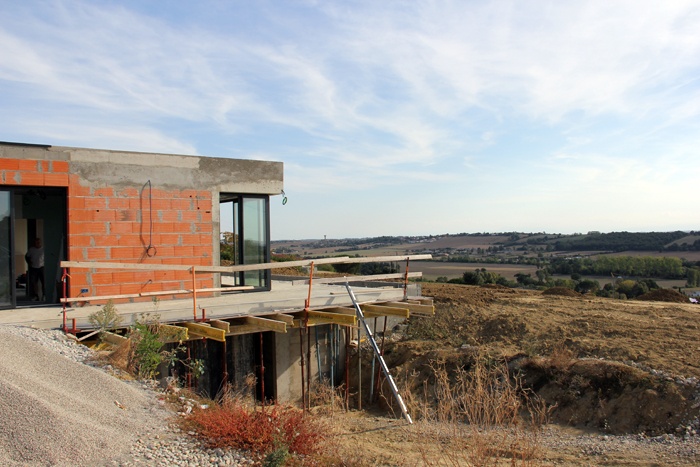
{"x": 245, "y": 237}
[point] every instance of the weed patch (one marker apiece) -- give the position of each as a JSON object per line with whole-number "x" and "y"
{"x": 269, "y": 431}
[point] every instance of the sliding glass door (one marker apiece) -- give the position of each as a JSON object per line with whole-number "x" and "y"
{"x": 7, "y": 286}
{"x": 245, "y": 231}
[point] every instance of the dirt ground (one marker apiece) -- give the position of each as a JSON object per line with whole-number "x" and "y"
{"x": 621, "y": 379}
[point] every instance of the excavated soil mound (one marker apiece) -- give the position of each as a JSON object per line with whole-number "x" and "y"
{"x": 608, "y": 396}
{"x": 562, "y": 291}
{"x": 664, "y": 295}
{"x": 618, "y": 366}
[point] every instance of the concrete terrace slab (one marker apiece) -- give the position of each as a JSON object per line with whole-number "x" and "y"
{"x": 285, "y": 297}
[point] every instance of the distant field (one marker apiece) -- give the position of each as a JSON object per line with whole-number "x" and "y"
{"x": 687, "y": 255}
{"x": 433, "y": 269}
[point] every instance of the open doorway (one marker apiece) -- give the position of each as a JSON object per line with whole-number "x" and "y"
{"x": 37, "y": 245}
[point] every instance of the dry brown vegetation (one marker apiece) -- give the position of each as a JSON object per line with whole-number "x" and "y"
{"x": 593, "y": 367}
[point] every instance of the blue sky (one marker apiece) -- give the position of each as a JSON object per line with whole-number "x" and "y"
{"x": 392, "y": 118}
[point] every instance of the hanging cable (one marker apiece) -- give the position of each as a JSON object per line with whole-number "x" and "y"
{"x": 150, "y": 249}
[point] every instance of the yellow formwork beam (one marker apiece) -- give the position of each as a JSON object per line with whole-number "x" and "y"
{"x": 375, "y": 311}
{"x": 240, "y": 329}
{"x": 415, "y": 308}
{"x": 112, "y": 338}
{"x": 218, "y": 324}
{"x": 324, "y": 317}
{"x": 267, "y": 324}
{"x": 170, "y": 333}
{"x": 203, "y": 330}
{"x": 281, "y": 317}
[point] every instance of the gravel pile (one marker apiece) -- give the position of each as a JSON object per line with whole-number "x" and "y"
{"x": 665, "y": 449}
{"x": 57, "y": 410}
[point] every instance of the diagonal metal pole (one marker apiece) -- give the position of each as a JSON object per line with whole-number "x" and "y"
{"x": 382, "y": 363}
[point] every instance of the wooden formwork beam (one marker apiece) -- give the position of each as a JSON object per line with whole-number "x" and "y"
{"x": 281, "y": 317}
{"x": 239, "y": 329}
{"x": 377, "y": 310}
{"x": 204, "y": 330}
{"x": 316, "y": 317}
{"x": 172, "y": 333}
{"x": 112, "y": 338}
{"x": 415, "y": 308}
{"x": 267, "y": 324}
{"x": 218, "y": 324}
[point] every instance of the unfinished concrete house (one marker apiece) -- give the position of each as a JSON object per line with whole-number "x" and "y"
{"x": 144, "y": 231}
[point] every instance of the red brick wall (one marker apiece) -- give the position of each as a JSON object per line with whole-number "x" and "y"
{"x": 110, "y": 224}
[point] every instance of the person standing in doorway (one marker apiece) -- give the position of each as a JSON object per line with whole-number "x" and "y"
{"x": 35, "y": 260}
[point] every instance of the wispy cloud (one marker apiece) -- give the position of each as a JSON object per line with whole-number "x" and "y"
{"x": 367, "y": 94}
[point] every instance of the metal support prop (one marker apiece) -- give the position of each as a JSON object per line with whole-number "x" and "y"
{"x": 301, "y": 358}
{"x": 262, "y": 371}
{"x": 371, "y": 377}
{"x": 65, "y": 295}
{"x": 392, "y": 384}
{"x": 332, "y": 354}
{"x": 381, "y": 352}
{"x": 347, "y": 368}
{"x": 194, "y": 294}
{"x": 307, "y": 304}
{"x": 359, "y": 369}
{"x": 405, "y": 282}
{"x": 318, "y": 356}
{"x": 308, "y": 367}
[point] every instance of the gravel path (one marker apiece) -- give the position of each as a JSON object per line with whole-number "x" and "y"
{"x": 58, "y": 410}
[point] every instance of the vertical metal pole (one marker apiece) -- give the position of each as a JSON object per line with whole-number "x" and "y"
{"x": 381, "y": 353}
{"x": 359, "y": 369}
{"x": 188, "y": 377}
{"x": 65, "y": 295}
{"x": 262, "y": 371}
{"x": 308, "y": 367}
{"x": 332, "y": 354}
{"x": 194, "y": 294}
{"x": 405, "y": 282}
{"x": 301, "y": 357}
{"x": 318, "y": 356}
{"x": 225, "y": 366}
{"x": 347, "y": 367}
{"x": 371, "y": 380}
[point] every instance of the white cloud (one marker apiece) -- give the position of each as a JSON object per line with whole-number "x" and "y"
{"x": 372, "y": 94}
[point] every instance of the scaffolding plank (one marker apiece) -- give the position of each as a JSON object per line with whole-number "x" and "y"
{"x": 415, "y": 308}
{"x": 267, "y": 324}
{"x": 375, "y": 277}
{"x": 199, "y": 329}
{"x": 387, "y": 259}
{"x": 264, "y": 266}
{"x": 374, "y": 311}
{"x": 135, "y": 266}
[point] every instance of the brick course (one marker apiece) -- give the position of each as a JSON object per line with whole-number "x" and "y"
{"x": 107, "y": 224}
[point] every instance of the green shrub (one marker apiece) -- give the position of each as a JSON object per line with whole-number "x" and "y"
{"x": 105, "y": 319}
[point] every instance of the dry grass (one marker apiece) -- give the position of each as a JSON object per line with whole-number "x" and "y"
{"x": 475, "y": 417}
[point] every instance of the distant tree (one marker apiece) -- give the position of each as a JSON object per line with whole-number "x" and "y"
{"x": 587, "y": 286}
{"x": 524, "y": 279}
